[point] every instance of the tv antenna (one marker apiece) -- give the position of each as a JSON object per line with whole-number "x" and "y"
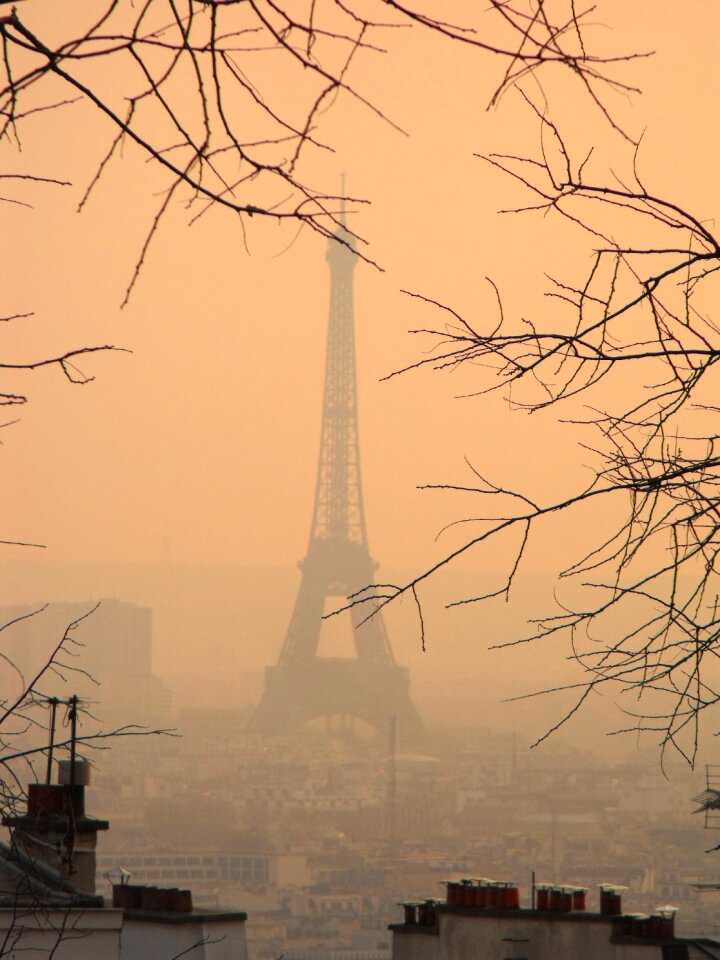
{"x": 709, "y": 800}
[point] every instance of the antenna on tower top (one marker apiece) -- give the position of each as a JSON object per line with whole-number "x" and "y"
{"x": 343, "y": 221}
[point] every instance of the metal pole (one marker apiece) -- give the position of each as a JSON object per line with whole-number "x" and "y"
{"x": 73, "y": 737}
{"x": 391, "y": 797}
{"x": 532, "y": 889}
{"x": 51, "y": 745}
{"x": 70, "y": 836}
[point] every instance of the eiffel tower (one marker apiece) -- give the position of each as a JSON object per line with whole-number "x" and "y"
{"x": 370, "y": 685}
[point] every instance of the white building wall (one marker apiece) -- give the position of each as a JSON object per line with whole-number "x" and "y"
{"x": 195, "y": 939}
{"x": 232, "y": 946}
{"x": 61, "y": 934}
{"x": 415, "y": 946}
{"x": 532, "y": 937}
{"x": 102, "y": 934}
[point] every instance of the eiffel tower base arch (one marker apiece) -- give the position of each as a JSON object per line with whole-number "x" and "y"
{"x": 296, "y": 693}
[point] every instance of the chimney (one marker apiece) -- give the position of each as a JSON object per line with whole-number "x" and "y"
{"x": 55, "y": 831}
{"x": 611, "y": 899}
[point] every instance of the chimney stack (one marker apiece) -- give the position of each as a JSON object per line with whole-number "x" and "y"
{"x": 55, "y": 831}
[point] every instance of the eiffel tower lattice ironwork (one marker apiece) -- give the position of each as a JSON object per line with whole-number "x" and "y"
{"x": 371, "y": 685}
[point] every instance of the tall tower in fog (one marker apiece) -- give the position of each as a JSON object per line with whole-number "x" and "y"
{"x": 370, "y": 685}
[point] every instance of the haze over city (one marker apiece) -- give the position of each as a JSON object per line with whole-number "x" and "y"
{"x": 199, "y": 448}
{"x": 175, "y": 488}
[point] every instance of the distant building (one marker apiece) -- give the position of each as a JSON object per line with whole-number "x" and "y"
{"x": 212, "y": 869}
{"x": 110, "y": 641}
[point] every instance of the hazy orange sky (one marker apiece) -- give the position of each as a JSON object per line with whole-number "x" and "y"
{"x": 200, "y": 447}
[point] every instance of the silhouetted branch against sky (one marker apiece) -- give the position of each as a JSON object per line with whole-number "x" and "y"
{"x": 626, "y": 355}
{"x": 29, "y": 711}
{"x": 187, "y": 101}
